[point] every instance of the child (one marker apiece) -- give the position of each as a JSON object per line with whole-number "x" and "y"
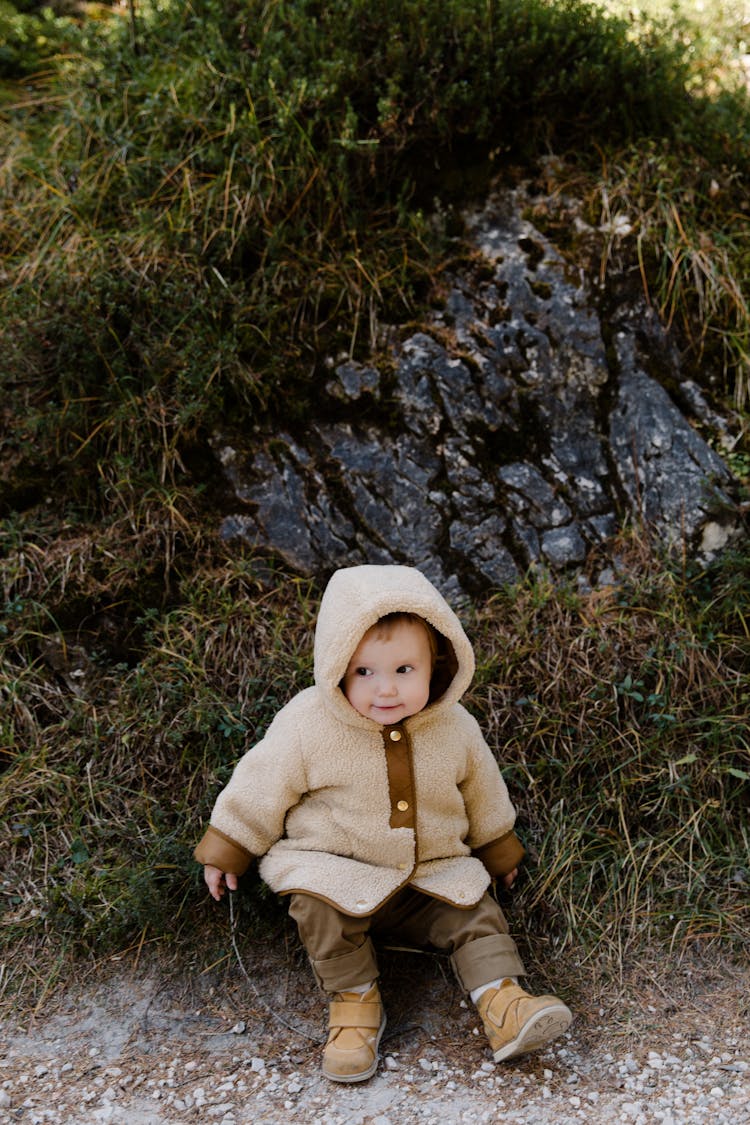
{"x": 376, "y": 805}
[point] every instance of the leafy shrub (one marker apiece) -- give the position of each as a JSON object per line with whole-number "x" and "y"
{"x": 32, "y": 38}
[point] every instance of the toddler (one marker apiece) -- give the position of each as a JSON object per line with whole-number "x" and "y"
{"x": 375, "y": 804}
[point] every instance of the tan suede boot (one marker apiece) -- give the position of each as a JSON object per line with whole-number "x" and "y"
{"x": 355, "y": 1025}
{"x": 516, "y": 1022}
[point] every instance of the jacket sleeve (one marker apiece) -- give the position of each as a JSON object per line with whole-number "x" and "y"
{"x": 491, "y": 815}
{"x": 218, "y": 850}
{"x": 249, "y": 814}
{"x": 501, "y": 856}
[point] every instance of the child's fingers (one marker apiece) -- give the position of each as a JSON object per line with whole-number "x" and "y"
{"x": 217, "y": 881}
{"x": 214, "y": 881}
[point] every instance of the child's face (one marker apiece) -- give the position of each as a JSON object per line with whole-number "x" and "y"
{"x": 388, "y": 678}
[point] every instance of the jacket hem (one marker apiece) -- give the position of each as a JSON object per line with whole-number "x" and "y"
{"x": 374, "y": 909}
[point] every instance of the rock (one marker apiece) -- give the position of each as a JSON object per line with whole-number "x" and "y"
{"x": 353, "y": 381}
{"x": 671, "y": 477}
{"x": 504, "y": 434}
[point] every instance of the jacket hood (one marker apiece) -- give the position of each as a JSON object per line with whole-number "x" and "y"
{"x": 355, "y": 599}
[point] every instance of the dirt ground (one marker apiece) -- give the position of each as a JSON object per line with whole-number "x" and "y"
{"x": 134, "y": 1042}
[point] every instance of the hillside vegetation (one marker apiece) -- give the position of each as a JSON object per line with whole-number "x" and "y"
{"x": 199, "y": 207}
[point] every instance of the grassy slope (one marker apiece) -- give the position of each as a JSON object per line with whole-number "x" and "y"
{"x": 191, "y": 229}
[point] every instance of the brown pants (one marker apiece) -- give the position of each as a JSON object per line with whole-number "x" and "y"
{"x": 342, "y": 954}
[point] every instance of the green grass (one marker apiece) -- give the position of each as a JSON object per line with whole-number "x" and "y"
{"x": 687, "y": 211}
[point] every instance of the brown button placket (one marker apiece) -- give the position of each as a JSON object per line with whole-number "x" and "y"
{"x": 400, "y": 776}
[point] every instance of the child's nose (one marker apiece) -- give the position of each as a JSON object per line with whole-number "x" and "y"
{"x": 388, "y": 686}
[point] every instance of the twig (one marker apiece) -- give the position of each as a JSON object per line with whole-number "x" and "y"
{"x": 264, "y": 1003}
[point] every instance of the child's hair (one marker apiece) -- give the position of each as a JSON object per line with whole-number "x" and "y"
{"x": 443, "y": 657}
{"x": 384, "y": 625}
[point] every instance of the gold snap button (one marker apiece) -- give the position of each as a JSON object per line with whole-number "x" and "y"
{"x": 395, "y": 736}
{"x": 402, "y": 806}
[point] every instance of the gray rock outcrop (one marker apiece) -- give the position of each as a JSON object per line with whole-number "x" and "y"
{"x": 518, "y": 428}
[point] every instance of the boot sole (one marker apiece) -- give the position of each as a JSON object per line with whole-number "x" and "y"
{"x": 541, "y": 1029}
{"x": 365, "y": 1074}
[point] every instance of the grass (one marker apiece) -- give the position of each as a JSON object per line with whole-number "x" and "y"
{"x": 612, "y": 709}
{"x": 192, "y": 228}
{"x": 682, "y": 227}
{"x": 619, "y": 717}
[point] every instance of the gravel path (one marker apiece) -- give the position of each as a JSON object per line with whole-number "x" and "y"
{"x": 144, "y": 1050}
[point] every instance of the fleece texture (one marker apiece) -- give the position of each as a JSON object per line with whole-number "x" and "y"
{"x": 313, "y": 801}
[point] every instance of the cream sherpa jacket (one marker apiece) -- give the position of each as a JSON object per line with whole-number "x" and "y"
{"x": 350, "y": 811}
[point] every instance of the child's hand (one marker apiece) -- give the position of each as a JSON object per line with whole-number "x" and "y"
{"x": 216, "y": 880}
{"x": 509, "y": 879}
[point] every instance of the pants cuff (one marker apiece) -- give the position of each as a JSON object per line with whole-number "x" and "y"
{"x": 336, "y": 974}
{"x": 484, "y": 959}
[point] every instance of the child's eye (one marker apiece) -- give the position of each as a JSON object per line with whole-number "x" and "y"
{"x": 405, "y": 668}
{"x": 361, "y": 671}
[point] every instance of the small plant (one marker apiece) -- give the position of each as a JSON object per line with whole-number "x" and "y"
{"x": 33, "y": 38}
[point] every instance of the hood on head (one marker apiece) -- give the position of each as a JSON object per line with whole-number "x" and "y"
{"x": 357, "y": 597}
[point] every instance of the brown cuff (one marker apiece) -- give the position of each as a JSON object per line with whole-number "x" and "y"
{"x": 484, "y": 959}
{"x": 220, "y": 851}
{"x": 501, "y": 856}
{"x": 338, "y": 974}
